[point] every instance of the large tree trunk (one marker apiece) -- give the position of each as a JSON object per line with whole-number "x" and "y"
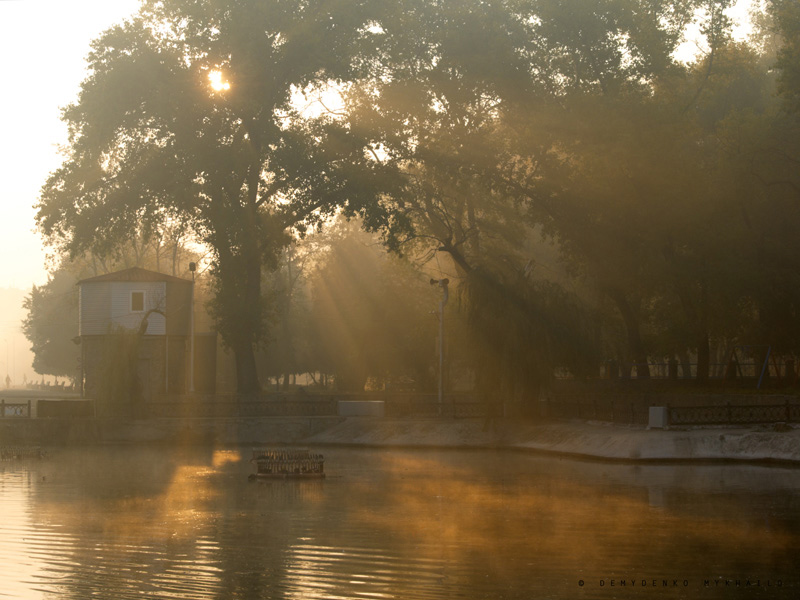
{"x": 247, "y": 320}
{"x": 696, "y": 312}
{"x": 686, "y": 364}
{"x": 635, "y": 345}
{"x": 238, "y": 314}
{"x": 288, "y": 350}
{"x": 246, "y": 373}
{"x": 703, "y": 358}
{"x": 238, "y": 309}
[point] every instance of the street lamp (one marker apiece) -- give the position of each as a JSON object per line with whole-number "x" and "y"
{"x": 442, "y": 283}
{"x": 192, "y": 268}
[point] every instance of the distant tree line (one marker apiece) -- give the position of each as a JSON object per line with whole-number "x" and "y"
{"x": 592, "y": 196}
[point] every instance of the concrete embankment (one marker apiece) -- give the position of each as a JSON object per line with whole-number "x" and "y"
{"x": 573, "y": 438}
{"x": 266, "y": 430}
{"x": 587, "y": 440}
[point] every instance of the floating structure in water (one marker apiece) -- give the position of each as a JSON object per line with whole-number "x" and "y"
{"x": 287, "y": 464}
{"x": 20, "y": 452}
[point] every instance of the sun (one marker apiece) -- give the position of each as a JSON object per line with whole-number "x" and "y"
{"x": 217, "y": 83}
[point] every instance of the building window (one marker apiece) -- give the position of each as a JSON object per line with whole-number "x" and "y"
{"x": 137, "y": 301}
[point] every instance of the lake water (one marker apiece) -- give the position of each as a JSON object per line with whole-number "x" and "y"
{"x": 126, "y": 522}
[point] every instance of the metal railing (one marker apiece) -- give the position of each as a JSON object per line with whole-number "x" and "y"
{"x": 609, "y": 409}
{"x": 458, "y": 410}
{"x": 734, "y": 415}
{"x": 15, "y": 410}
{"x": 287, "y": 405}
{"x": 634, "y": 410}
{"x": 229, "y": 409}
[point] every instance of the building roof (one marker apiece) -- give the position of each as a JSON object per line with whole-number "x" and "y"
{"x": 135, "y": 274}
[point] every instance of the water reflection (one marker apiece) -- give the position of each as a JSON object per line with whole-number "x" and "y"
{"x": 169, "y": 523}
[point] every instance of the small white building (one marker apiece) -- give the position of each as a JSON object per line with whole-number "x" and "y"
{"x": 111, "y": 305}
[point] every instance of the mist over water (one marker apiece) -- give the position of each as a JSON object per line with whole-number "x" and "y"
{"x": 127, "y": 522}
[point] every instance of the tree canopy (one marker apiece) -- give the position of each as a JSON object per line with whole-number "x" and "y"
{"x": 186, "y": 117}
{"x": 484, "y": 132}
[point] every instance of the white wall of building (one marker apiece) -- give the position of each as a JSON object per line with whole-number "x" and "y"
{"x": 104, "y": 304}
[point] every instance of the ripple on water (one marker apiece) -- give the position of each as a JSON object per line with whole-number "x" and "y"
{"x": 133, "y": 523}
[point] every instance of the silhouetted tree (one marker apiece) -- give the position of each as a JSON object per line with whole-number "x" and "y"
{"x": 154, "y": 140}
{"x": 52, "y": 325}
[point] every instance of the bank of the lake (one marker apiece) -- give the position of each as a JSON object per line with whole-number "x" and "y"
{"x": 588, "y": 440}
{"x": 580, "y": 439}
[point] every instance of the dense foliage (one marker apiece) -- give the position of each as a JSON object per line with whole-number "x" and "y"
{"x": 155, "y": 142}
{"x": 486, "y": 137}
{"x": 52, "y": 324}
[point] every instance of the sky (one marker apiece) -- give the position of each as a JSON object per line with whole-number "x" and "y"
{"x": 44, "y": 44}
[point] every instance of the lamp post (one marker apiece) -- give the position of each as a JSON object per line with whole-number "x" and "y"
{"x": 442, "y": 283}
{"x": 192, "y": 268}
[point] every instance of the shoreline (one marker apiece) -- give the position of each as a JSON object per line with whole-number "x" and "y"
{"x": 582, "y": 440}
{"x": 575, "y": 439}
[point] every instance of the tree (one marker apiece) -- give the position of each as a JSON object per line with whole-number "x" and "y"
{"x": 786, "y": 16}
{"x": 187, "y": 117}
{"x": 759, "y": 139}
{"x": 52, "y": 326}
{"x": 669, "y": 188}
{"x": 370, "y": 314}
{"x": 287, "y": 352}
{"x": 493, "y": 113}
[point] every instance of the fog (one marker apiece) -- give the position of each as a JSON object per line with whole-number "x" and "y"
{"x": 600, "y": 205}
{"x": 16, "y": 357}
{"x": 167, "y": 521}
{"x": 511, "y": 207}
